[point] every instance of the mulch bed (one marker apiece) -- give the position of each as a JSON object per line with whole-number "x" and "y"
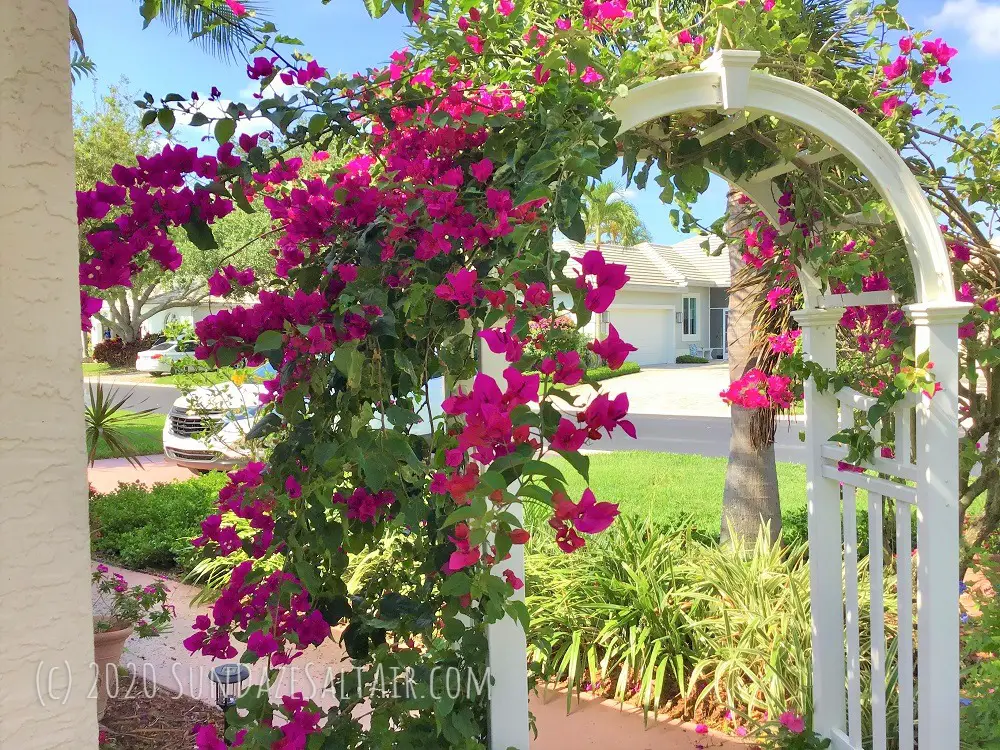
{"x": 148, "y": 717}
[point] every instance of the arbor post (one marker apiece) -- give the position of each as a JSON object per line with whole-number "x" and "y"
{"x": 937, "y": 527}
{"x": 508, "y": 663}
{"x": 819, "y": 344}
{"x": 46, "y": 623}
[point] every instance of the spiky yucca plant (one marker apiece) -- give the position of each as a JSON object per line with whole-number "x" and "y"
{"x": 106, "y": 418}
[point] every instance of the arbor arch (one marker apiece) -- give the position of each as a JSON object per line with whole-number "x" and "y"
{"x": 924, "y": 476}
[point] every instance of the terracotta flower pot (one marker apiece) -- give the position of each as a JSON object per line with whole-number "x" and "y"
{"x": 108, "y": 647}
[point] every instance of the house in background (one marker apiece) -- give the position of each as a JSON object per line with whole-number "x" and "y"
{"x": 676, "y": 300}
{"x": 163, "y": 308}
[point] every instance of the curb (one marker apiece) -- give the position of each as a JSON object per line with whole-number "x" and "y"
{"x": 113, "y": 380}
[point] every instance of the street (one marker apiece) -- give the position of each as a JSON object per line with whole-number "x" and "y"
{"x": 156, "y": 397}
{"x": 705, "y": 436}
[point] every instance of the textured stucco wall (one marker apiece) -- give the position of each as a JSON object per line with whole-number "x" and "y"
{"x": 45, "y": 618}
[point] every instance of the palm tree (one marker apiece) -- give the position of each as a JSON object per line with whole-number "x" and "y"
{"x": 750, "y": 499}
{"x": 607, "y": 213}
{"x": 217, "y": 29}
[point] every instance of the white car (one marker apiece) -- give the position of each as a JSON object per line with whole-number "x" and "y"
{"x": 161, "y": 358}
{"x": 207, "y": 429}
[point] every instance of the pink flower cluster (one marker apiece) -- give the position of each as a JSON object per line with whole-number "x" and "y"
{"x": 301, "y": 720}
{"x": 221, "y": 282}
{"x": 601, "y": 279}
{"x": 784, "y": 343}
{"x": 758, "y": 390}
{"x": 366, "y": 506}
{"x": 292, "y": 623}
{"x": 586, "y": 516}
{"x": 489, "y": 432}
{"x": 240, "y": 497}
{"x": 156, "y": 195}
{"x": 792, "y": 722}
{"x": 932, "y": 67}
{"x": 565, "y": 369}
{"x": 602, "y": 412}
{"x": 874, "y": 326}
{"x": 613, "y": 350}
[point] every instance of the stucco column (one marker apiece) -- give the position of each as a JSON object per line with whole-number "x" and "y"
{"x": 819, "y": 344}
{"x": 936, "y": 332}
{"x": 46, "y": 628}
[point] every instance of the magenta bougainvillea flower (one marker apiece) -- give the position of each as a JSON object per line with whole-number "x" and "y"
{"x": 238, "y": 9}
{"x": 613, "y": 349}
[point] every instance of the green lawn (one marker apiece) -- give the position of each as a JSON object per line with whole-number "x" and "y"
{"x": 668, "y": 487}
{"x": 145, "y": 433}
{"x": 101, "y": 368}
{"x": 194, "y": 379}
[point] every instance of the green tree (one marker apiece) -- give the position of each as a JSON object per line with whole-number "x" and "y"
{"x": 608, "y": 213}
{"x": 111, "y": 134}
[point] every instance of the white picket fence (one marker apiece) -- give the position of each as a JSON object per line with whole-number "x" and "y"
{"x": 897, "y": 492}
{"x": 853, "y": 689}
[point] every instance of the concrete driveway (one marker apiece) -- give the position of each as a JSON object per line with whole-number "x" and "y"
{"x": 683, "y": 390}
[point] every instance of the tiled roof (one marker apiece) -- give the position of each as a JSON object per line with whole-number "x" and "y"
{"x": 694, "y": 264}
{"x": 685, "y": 263}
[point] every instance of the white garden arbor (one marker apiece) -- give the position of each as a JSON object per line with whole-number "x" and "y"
{"x": 923, "y": 475}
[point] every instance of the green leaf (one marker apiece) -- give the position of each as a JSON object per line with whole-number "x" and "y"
{"x": 149, "y": 10}
{"x": 148, "y": 118}
{"x": 542, "y": 468}
{"x": 578, "y": 461}
{"x": 200, "y": 234}
{"x": 224, "y": 130}
{"x": 457, "y": 584}
{"x": 375, "y": 8}
{"x": 268, "y": 341}
{"x": 166, "y": 118}
{"x": 462, "y": 513}
{"x": 317, "y": 123}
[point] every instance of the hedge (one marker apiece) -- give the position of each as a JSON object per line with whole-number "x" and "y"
{"x": 150, "y": 528}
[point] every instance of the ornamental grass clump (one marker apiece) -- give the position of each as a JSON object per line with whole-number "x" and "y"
{"x": 670, "y": 620}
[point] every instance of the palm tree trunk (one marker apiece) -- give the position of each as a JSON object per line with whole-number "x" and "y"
{"x": 750, "y": 498}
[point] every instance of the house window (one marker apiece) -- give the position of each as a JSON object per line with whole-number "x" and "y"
{"x": 605, "y": 322}
{"x": 689, "y": 317}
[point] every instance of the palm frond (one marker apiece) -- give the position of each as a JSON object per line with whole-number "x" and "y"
{"x": 80, "y": 65}
{"x": 216, "y": 29}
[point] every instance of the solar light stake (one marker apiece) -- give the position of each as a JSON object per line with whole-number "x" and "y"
{"x": 228, "y": 679}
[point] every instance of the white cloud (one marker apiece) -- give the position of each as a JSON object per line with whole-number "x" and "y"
{"x": 980, "y": 21}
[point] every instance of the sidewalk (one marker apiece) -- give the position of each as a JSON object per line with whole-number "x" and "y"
{"x": 670, "y": 390}
{"x": 131, "y": 378}
{"x": 105, "y": 475}
{"x": 593, "y": 724}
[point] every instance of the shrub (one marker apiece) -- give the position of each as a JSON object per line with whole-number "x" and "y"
{"x": 690, "y": 359}
{"x": 150, "y": 528}
{"x": 118, "y": 353}
{"x": 980, "y": 703}
{"x": 547, "y": 338}
{"x": 606, "y": 373}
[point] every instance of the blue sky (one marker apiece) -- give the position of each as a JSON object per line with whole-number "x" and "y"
{"x": 342, "y": 37}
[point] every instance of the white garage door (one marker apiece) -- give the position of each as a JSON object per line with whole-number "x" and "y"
{"x": 651, "y": 331}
